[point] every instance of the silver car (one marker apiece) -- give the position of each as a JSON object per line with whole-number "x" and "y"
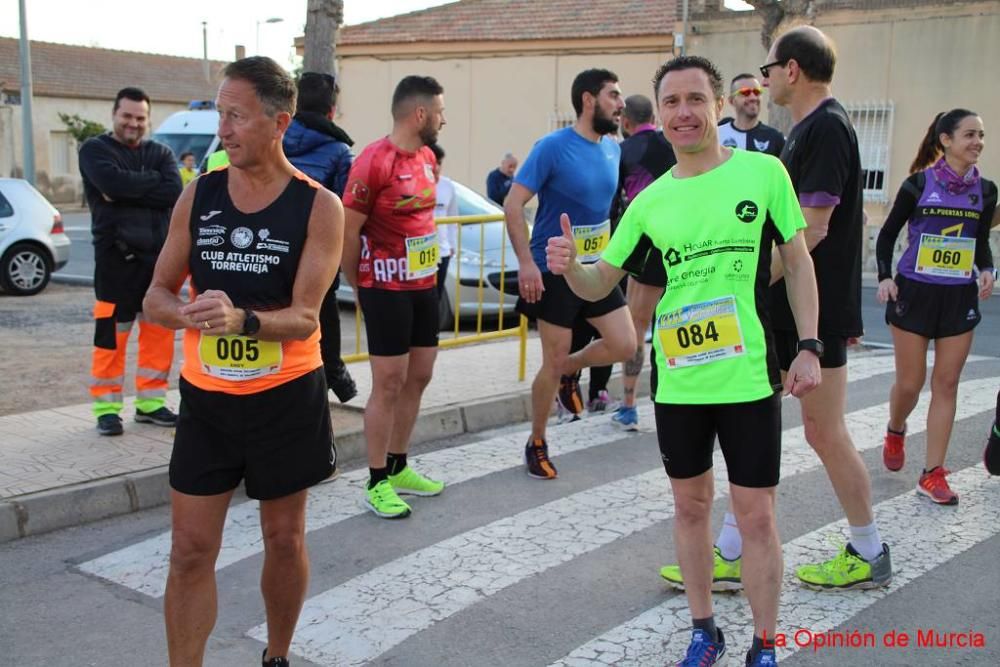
{"x": 496, "y": 257}
{"x": 33, "y": 243}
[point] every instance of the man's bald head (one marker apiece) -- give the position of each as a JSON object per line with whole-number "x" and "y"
{"x": 811, "y": 49}
{"x": 638, "y": 109}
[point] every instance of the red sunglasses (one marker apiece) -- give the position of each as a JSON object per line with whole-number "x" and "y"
{"x": 747, "y": 91}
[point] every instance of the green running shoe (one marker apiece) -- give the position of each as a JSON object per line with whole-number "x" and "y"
{"x": 725, "y": 574}
{"x": 383, "y": 501}
{"x": 848, "y": 570}
{"x": 409, "y": 482}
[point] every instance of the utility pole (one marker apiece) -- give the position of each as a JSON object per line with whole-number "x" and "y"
{"x": 323, "y": 18}
{"x": 204, "y": 49}
{"x": 27, "y": 128}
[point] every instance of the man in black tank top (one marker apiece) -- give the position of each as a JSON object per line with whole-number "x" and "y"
{"x": 257, "y": 239}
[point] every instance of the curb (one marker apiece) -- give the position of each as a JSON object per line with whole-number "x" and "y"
{"x": 45, "y": 511}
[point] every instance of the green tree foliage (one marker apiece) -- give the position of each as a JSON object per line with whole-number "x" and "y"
{"x": 80, "y": 128}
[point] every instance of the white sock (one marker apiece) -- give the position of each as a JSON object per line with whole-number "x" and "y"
{"x": 866, "y": 541}
{"x": 730, "y": 543}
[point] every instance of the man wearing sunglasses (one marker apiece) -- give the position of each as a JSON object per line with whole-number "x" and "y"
{"x": 745, "y": 130}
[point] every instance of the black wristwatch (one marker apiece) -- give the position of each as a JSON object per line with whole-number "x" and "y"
{"x": 814, "y": 345}
{"x": 251, "y": 323}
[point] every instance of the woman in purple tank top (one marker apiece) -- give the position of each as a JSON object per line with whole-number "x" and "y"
{"x": 943, "y": 273}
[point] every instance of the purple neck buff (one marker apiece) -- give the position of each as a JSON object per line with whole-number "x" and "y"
{"x": 951, "y": 181}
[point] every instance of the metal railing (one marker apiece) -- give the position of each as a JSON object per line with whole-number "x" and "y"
{"x": 495, "y": 281}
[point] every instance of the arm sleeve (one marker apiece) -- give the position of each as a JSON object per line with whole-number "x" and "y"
{"x": 825, "y": 164}
{"x": 337, "y": 180}
{"x": 629, "y": 246}
{"x": 166, "y": 192}
{"x": 493, "y": 189}
{"x": 99, "y": 166}
{"x": 902, "y": 210}
{"x": 363, "y": 184}
{"x": 784, "y": 207}
{"x": 537, "y": 166}
{"x": 984, "y": 256}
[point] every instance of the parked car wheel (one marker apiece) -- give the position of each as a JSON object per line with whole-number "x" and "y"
{"x": 25, "y": 269}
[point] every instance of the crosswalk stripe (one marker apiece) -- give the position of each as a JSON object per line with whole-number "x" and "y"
{"x": 439, "y": 581}
{"x": 922, "y": 536}
{"x": 143, "y": 565}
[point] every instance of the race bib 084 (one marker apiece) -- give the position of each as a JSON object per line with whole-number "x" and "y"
{"x": 700, "y": 333}
{"x": 238, "y": 358}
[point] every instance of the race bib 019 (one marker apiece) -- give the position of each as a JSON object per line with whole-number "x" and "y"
{"x": 422, "y": 256}
{"x": 591, "y": 240}
{"x": 945, "y": 256}
{"x": 238, "y": 358}
{"x": 700, "y": 333}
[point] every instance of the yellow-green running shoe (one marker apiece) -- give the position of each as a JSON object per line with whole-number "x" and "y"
{"x": 383, "y": 501}
{"x": 409, "y": 482}
{"x": 725, "y": 574}
{"x": 848, "y": 570}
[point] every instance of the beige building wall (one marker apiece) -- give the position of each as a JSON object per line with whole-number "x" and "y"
{"x": 57, "y": 172}
{"x": 922, "y": 59}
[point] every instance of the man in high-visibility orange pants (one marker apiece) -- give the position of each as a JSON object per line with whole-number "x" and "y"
{"x": 131, "y": 186}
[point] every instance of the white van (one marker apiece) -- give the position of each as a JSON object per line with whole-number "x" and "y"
{"x": 193, "y": 130}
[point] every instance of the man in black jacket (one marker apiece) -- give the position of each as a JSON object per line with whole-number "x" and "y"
{"x": 131, "y": 186}
{"x": 316, "y": 146}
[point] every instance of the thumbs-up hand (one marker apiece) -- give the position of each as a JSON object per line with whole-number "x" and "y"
{"x": 560, "y": 253}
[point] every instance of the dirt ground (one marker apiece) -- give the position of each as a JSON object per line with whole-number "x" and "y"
{"x": 46, "y": 341}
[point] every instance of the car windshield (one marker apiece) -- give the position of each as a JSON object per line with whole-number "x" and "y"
{"x": 473, "y": 203}
{"x": 182, "y": 143}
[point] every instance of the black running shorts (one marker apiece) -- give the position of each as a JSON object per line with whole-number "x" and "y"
{"x": 786, "y": 344}
{"x": 653, "y": 273}
{"x": 560, "y": 306}
{"x": 396, "y": 320}
{"x": 280, "y": 441}
{"x": 749, "y": 436}
{"x": 934, "y": 311}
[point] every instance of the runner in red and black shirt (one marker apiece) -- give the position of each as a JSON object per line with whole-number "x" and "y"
{"x": 391, "y": 257}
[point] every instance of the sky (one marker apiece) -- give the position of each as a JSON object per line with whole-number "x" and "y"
{"x": 174, "y": 27}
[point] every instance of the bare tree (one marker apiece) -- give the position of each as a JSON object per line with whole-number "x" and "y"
{"x": 323, "y": 19}
{"x": 776, "y": 17}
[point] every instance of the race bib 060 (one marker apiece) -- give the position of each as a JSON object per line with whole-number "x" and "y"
{"x": 945, "y": 256}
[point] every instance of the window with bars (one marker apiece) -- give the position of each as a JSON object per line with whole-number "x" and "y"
{"x": 873, "y": 125}
{"x": 561, "y": 119}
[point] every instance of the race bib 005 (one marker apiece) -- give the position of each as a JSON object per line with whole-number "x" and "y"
{"x": 238, "y": 358}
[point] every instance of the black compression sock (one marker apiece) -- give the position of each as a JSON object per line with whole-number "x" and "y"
{"x": 707, "y": 625}
{"x": 376, "y": 475}
{"x": 756, "y": 646}
{"x": 396, "y": 463}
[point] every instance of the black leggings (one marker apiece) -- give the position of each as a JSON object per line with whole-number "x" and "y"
{"x": 329, "y": 326}
{"x": 583, "y": 333}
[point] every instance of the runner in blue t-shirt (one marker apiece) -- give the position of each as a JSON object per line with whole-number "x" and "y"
{"x": 574, "y": 171}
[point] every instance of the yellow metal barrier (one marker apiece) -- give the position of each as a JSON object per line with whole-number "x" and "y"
{"x": 457, "y": 339}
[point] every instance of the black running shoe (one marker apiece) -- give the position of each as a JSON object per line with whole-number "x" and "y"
{"x": 991, "y": 456}
{"x": 272, "y": 662}
{"x": 569, "y": 395}
{"x": 160, "y": 417}
{"x": 110, "y": 425}
{"x": 536, "y": 457}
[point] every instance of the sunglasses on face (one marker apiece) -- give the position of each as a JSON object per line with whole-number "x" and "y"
{"x": 747, "y": 91}
{"x": 765, "y": 69}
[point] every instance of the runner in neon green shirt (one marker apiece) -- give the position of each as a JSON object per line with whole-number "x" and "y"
{"x": 712, "y": 220}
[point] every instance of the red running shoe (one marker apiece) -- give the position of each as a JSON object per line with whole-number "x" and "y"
{"x": 934, "y": 485}
{"x": 893, "y": 455}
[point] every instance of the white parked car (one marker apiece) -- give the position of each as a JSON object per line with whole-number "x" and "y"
{"x": 466, "y": 265}
{"x": 33, "y": 243}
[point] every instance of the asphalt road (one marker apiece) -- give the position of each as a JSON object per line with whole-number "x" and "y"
{"x": 508, "y": 571}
